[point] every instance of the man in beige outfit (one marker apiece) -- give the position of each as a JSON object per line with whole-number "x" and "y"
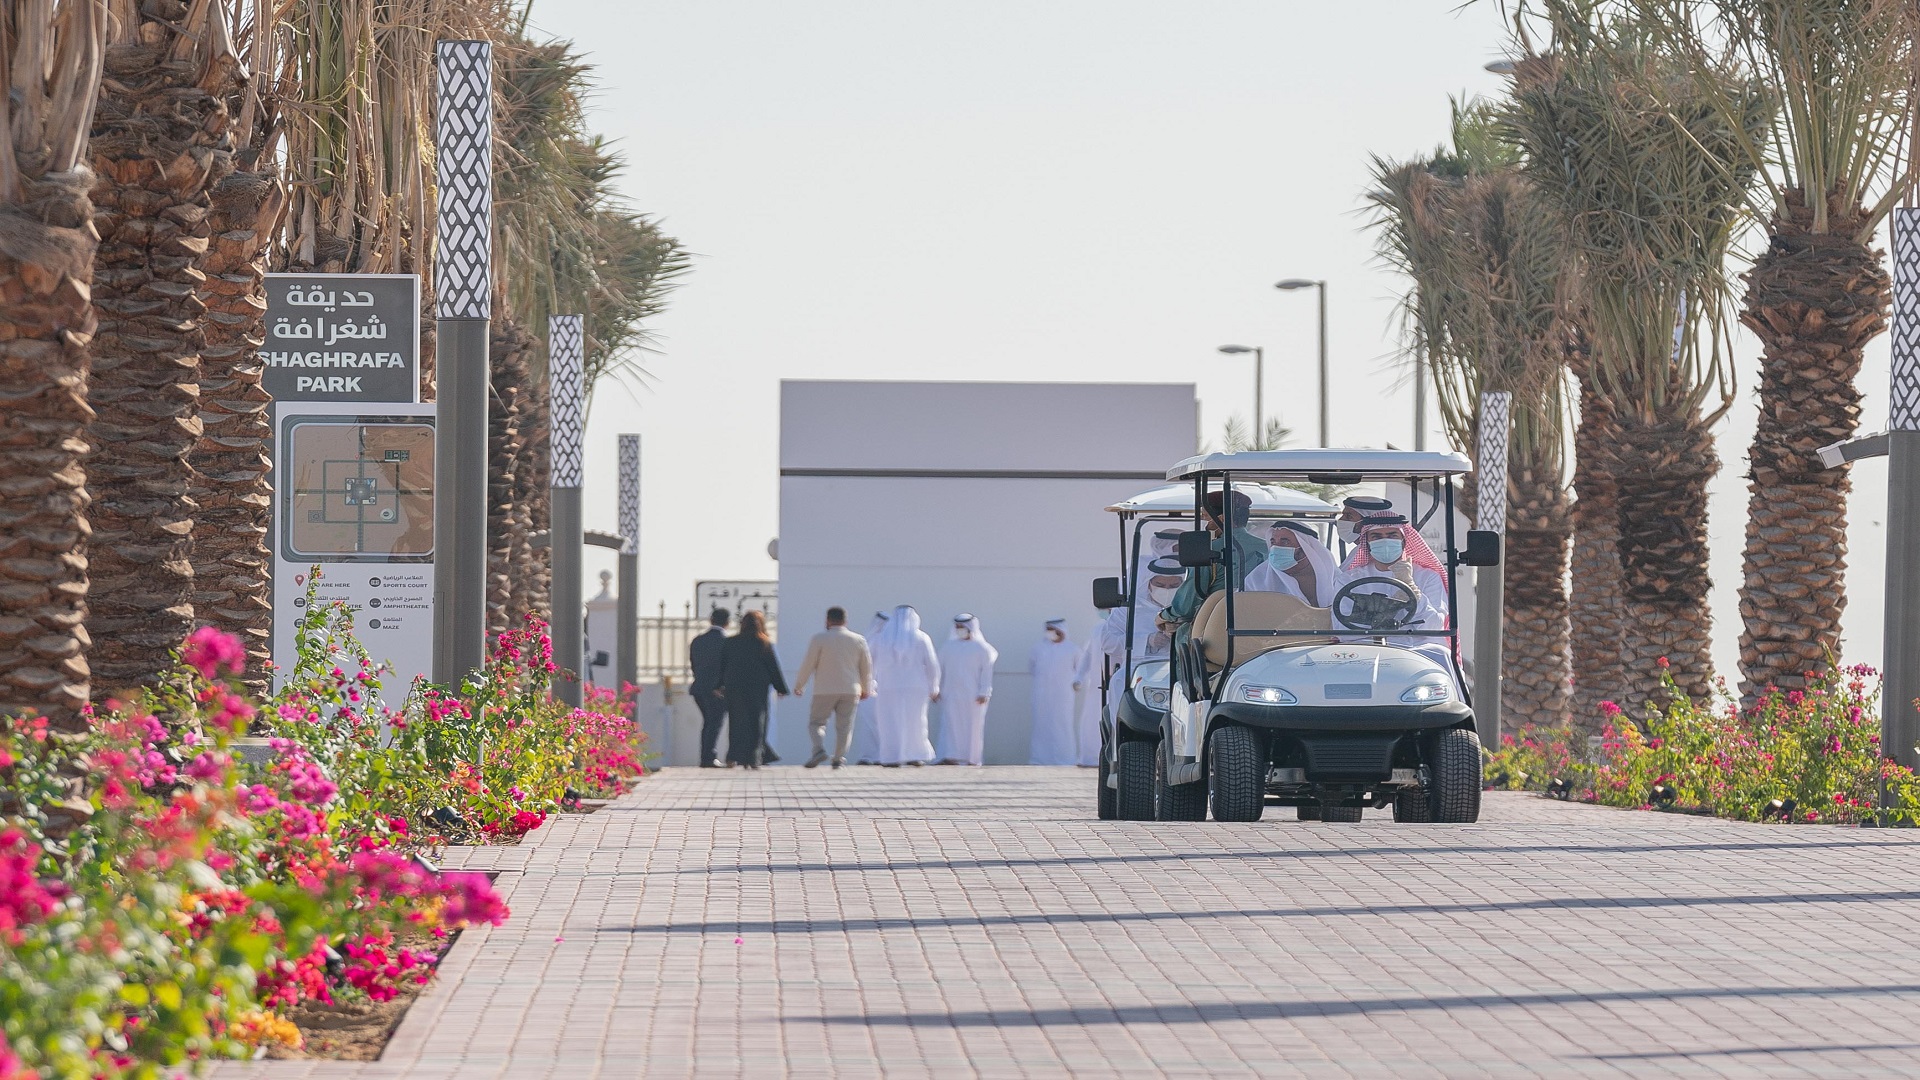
{"x": 841, "y": 669}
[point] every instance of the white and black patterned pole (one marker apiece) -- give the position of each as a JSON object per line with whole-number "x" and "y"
{"x": 627, "y": 659}
{"x": 1490, "y": 582}
{"x": 463, "y": 293}
{"x": 566, "y": 375}
{"x": 1899, "y": 722}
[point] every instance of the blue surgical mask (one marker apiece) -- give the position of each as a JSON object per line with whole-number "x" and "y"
{"x": 1385, "y": 551}
{"x": 1282, "y": 558}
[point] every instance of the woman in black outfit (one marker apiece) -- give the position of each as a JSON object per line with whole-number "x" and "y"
{"x": 747, "y": 670}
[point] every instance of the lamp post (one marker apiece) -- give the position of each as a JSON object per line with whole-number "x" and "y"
{"x": 1290, "y": 285}
{"x": 566, "y": 357}
{"x": 627, "y": 664}
{"x": 1259, "y": 386}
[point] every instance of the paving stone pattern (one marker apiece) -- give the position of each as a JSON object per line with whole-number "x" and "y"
{"x": 978, "y": 922}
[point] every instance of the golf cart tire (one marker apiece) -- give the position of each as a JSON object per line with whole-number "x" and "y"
{"x": 1107, "y": 799}
{"x": 1454, "y": 764}
{"x": 1308, "y": 811}
{"x": 1345, "y": 815}
{"x": 1176, "y": 802}
{"x": 1134, "y": 800}
{"x": 1413, "y": 807}
{"x": 1236, "y": 780}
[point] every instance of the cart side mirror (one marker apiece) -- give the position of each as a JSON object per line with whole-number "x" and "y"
{"x": 1107, "y": 593}
{"x": 1483, "y": 549}
{"x": 1196, "y": 549}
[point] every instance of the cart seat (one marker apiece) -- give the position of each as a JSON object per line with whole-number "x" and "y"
{"x": 1256, "y": 611}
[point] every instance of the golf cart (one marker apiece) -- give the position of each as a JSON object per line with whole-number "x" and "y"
{"x": 1135, "y": 695}
{"x": 1336, "y": 709}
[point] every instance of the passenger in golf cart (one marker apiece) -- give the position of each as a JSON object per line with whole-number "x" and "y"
{"x": 1329, "y": 708}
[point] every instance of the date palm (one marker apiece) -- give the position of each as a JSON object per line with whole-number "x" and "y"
{"x": 160, "y": 142}
{"x": 1841, "y": 72}
{"x": 51, "y": 54}
{"x": 1646, "y": 179}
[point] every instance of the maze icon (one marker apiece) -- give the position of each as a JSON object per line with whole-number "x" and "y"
{"x": 630, "y": 494}
{"x": 1490, "y": 493}
{"x": 1904, "y": 406}
{"x": 566, "y": 374}
{"x": 463, "y": 256}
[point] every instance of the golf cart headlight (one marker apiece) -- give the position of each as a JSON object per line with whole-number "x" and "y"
{"x": 1268, "y": 695}
{"x": 1427, "y": 692}
{"x": 1159, "y": 698}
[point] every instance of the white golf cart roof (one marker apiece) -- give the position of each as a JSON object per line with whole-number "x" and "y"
{"x": 1269, "y": 500}
{"x": 1325, "y": 466}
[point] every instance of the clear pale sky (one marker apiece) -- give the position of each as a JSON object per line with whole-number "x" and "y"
{"x": 1063, "y": 190}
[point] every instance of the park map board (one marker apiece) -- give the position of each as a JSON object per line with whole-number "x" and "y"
{"x": 359, "y": 490}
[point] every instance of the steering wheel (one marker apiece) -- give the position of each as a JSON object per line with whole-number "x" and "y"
{"x": 1375, "y": 613}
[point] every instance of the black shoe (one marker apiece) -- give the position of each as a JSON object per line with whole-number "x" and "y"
{"x": 819, "y": 757}
{"x": 837, "y": 762}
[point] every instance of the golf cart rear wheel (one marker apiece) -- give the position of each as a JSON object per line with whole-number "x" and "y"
{"x": 1344, "y": 814}
{"x": 1412, "y": 806}
{"x": 1453, "y": 764}
{"x": 1237, "y": 778}
{"x": 1176, "y": 802}
{"x": 1308, "y": 811}
{"x": 1107, "y": 799}
{"x": 1135, "y": 797}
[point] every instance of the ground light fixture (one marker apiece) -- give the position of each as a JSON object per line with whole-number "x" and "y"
{"x": 1778, "y": 810}
{"x": 1291, "y": 285}
{"x": 1663, "y": 796}
{"x": 1259, "y": 385}
{"x": 1560, "y": 788}
{"x": 447, "y": 816}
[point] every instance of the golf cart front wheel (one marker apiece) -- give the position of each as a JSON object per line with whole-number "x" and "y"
{"x": 1237, "y": 778}
{"x": 1135, "y": 796}
{"x": 1453, "y": 765}
{"x": 1176, "y": 802}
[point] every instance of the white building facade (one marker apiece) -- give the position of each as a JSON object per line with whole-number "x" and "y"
{"x": 961, "y": 497}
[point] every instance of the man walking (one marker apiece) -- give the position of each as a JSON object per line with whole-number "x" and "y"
{"x": 840, "y": 668}
{"x": 703, "y": 655}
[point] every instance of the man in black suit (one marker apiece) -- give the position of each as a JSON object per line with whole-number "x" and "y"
{"x": 703, "y": 654}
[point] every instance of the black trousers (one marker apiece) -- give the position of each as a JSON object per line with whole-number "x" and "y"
{"x": 713, "y": 713}
{"x": 747, "y": 731}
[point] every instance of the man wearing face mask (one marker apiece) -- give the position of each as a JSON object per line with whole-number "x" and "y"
{"x": 1353, "y": 510}
{"x": 1249, "y": 551}
{"x": 1052, "y": 661}
{"x": 1298, "y": 564}
{"x": 1386, "y": 550}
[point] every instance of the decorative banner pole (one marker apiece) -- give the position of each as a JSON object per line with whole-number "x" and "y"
{"x": 463, "y": 287}
{"x": 627, "y": 659}
{"x": 1899, "y": 722}
{"x": 1490, "y": 582}
{"x": 566, "y": 373}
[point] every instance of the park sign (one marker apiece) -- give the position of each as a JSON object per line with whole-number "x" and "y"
{"x": 342, "y": 337}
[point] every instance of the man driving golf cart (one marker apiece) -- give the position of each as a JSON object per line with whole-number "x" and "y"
{"x": 1332, "y": 709}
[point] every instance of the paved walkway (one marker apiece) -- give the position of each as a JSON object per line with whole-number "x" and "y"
{"x": 954, "y": 922}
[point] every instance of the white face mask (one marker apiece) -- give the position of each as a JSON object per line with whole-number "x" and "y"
{"x": 1346, "y": 529}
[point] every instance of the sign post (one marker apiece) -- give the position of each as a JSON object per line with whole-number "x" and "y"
{"x": 1899, "y": 721}
{"x": 627, "y": 663}
{"x": 463, "y": 294}
{"x": 566, "y": 358}
{"x": 1489, "y": 593}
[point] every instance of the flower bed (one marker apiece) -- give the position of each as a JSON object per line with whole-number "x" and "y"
{"x": 1808, "y": 755}
{"x": 164, "y": 902}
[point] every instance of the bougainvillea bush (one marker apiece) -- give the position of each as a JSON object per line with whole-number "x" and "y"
{"x": 1809, "y": 755}
{"x": 164, "y": 903}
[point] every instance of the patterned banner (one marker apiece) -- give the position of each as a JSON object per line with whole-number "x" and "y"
{"x": 463, "y": 133}
{"x": 1904, "y": 405}
{"x": 566, "y": 374}
{"x": 630, "y": 494}
{"x": 1490, "y": 490}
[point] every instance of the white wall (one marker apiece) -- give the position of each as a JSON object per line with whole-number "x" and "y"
{"x": 1014, "y": 551}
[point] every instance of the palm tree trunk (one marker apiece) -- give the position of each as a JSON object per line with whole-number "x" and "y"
{"x": 1594, "y": 597}
{"x": 46, "y": 320}
{"x": 538, "y": 600}
{"x": 1814, "y": 300}
{"x": 1536, "y": 685}
{"x": 508, "y": 542}
{"x": 159, "y": 144}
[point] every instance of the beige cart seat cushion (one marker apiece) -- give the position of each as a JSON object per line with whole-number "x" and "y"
{"x": 1256, "y": 611}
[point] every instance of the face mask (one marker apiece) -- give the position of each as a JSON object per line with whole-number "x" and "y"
{"x": 1386, "y": 552}
{"x": 1161, "y": 597}
{"x": 1282, "y": 558}
{"x": 1345, "y": 529}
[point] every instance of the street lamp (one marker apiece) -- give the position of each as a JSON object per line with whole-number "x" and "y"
{"x": 1259, "y": 385}
{"x": 1290, "y": 285}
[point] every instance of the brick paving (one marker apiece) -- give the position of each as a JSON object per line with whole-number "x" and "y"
{"x": 978, "y": 922}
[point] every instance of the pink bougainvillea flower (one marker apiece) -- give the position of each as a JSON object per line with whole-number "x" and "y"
{"x": 214, "y": 653}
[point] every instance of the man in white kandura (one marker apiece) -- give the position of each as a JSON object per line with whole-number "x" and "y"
{"x": 905, "y": 672}
{"x": 1298, "y": 564}
{"x": 1388, "y": 547}
{"x": 866, "y": 726}
{"x": 1052, "y": 660}
{"x": 966, "y": 684}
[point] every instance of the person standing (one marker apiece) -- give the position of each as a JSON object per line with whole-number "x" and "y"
{"x": 1052, "y": 661}
{"x": 841, "y": 668}
{"x": 703, "y": 655}
{"x": 748, "y": 669}
{"x": 866, "y": 719}
{"x": 966, "y": 685}
{"x": 906, "y": 671}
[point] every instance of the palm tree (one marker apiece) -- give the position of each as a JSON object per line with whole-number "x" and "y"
{"x": 1594, "y": 600}
{"x": 51, "y": 54}
{"x": 1841, "y": 71}
{"x": 1480, "y": 249}
{"x": 1646, "y": 179}
{"x": 160, "y": 142}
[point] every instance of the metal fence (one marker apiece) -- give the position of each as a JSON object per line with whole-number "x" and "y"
{"x": 663, "y": 643}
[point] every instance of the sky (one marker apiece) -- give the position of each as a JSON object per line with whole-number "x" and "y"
{"x": 1068, "y": 190}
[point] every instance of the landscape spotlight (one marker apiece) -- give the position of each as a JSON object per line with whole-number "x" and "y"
{"x": 1778, "y": 810}
{"x": 1664, "y": 795}
{"x": 1560, "y": 789}
{"x": 447, "y": 816}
